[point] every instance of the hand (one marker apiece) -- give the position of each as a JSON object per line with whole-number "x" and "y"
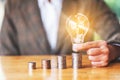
{"x": 98, "y": 52}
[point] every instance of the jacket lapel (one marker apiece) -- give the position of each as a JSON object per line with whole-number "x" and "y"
{"x": 32, "y": 15}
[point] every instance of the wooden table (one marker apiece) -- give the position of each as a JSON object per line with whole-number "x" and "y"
{"x": 16, "y": 68}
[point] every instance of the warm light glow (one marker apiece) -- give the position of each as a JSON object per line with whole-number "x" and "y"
{"x": 77, "y": 27}
{"x": 2, "y": 75}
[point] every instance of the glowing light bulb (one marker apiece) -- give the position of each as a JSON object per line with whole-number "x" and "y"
{"x": 77, "y": 27}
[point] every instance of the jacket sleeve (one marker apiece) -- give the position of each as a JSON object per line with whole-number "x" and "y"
{"x": 102, "y": 19}
{"x": 106, "y": 24}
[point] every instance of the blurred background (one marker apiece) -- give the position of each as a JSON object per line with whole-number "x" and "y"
{"x": 113, "y": 5}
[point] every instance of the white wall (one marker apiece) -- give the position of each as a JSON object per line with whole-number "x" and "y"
{"x": 1, "y": 12}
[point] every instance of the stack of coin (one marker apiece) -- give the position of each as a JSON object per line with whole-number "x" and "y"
{"x": 76, "y": 60}
{"x": 54, "y": 62}
{"x": 31, "y": 65}
{"x": 61, "y": 62}
{"x": 46, "y": 64}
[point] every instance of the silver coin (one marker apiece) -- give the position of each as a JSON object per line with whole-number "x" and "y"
{"x": 31, "y": 65}
{"x": 54, "y": 61}
{"x": 61, "y": 62}
{"x": 76, "y": 60}
{"x": 46, "y": 64}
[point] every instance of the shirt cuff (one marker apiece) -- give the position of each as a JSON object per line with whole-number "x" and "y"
{"x": 114, "y": 43}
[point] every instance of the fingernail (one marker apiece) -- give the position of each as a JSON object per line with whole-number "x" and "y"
{"x": 89, "y": 57}
{"x": 93, "y": 63}
{"x": 94, "y": 66}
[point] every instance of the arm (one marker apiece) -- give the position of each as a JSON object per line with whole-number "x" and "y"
{"x": 102, "y": 19}
{"x": 99, "y": 52}
{"x": 105, "y": 23}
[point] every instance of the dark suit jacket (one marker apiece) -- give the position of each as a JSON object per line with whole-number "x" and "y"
{"x": 23, "y": 32}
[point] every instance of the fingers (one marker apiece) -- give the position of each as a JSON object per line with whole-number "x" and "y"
{"x": 98, "y": 58}
{"x": 88, "y": 45}
{"x": 99, "y": 64}
{"x": 99, "y": 61}
{"x": 94, "y": 51}
{"x": 98, "y": 52}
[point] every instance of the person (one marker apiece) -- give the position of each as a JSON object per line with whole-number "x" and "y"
{"x": 34, "y": 27}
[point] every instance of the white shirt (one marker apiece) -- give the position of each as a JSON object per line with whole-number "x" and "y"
{"x": 50, "y": 14}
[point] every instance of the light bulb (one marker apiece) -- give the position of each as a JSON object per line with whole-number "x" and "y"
{"x": 77, "y": 27}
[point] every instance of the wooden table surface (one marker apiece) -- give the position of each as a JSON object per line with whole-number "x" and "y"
{"x": 16, "y": 68}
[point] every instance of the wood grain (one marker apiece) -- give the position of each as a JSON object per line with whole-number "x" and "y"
{"x": 16, "y": 68}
